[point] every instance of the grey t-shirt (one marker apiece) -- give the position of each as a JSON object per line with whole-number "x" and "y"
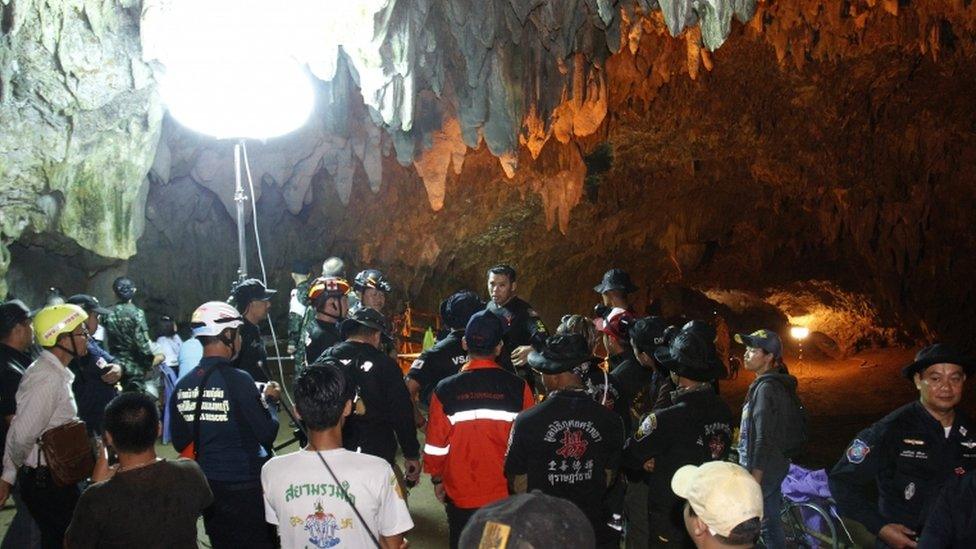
{"x": 153, "y": 506}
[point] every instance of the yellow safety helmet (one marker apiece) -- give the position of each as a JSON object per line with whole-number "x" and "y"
{"x": 52, "y": 321}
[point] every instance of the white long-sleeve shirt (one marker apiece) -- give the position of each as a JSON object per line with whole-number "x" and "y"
{"x": 44, "y": 401}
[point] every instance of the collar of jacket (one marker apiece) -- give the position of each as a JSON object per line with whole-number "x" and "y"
{"x": 23, "y": 360}
{"x": 478, "y": 364}
{"x": 685, "y": 392}
{"x": 616, "y": 359}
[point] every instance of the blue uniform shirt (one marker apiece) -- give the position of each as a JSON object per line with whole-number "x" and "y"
{"x": 235, "y": 426}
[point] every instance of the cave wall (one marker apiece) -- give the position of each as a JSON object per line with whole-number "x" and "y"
{"x": 856, "y": 172}
{"x": 822, "y": 142}
{"x": 80, "y": 122}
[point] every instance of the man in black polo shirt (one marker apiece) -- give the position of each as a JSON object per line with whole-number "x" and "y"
{"x": 16, "y": 336}
{"x": 253, "y": 300}
{"x": 95, "y": 372}
{"x": 382, "y": 412}
{"x": 525, "y": 329}
{"x": 446, "y": 357}
{"x": 569, "y": 445}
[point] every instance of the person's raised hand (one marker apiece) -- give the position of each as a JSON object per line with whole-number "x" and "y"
{"x": 113, "y": 374}
{"x": 897, "y": 535}
{"x": 520, "y": 356}
{"x": 440, "y": 493}
{"x": 102, "y": 470}
{"x": 272, "y": 390}
{"x": 412, "y": 469}
{"x": 4, "y": 491}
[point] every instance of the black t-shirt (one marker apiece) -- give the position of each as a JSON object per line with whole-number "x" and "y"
{"x": 253, "y": 355}
{"x": 388, "y": 417}
{"x": 440, "y": 361}
{"x": 91, "y": 393}
{"x": 155, "y": 506}
{"x": 698, "y": 428}
{"x": 12, "y": 366}
{"x": 524, "y": 328}
{"x": 320, "y": 336}
{"x": 564, "y": 446}
{"x": 636, "y": 386}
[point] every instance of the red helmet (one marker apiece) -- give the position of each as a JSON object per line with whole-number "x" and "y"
{"x": 327, "y": 286}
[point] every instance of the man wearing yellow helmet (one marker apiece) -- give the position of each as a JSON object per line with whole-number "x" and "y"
{"x": 45, "y": 401}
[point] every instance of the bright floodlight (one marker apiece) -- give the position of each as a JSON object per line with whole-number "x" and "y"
{"x": 231, "y": 68}
{"x": 799, "y": 333}
{"x": 222, "y": 101}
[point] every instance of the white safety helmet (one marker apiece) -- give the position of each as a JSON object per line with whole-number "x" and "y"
{"x": 214, "y": 317}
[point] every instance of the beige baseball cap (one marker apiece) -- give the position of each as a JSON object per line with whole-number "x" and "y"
{"x": 723, "y": 495}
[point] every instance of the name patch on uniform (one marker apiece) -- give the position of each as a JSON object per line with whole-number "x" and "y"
{"x": 857, "y": 451}
{"x": 914, "y": 442}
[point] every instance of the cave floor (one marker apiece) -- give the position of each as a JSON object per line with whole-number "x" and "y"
{"x": 841, "y": 396}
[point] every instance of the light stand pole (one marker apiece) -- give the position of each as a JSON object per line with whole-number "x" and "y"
{"x": 240, "y": 198}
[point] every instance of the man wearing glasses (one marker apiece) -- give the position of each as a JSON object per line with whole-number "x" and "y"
{"x": 45, "y": 401}
{"x": 911, "y": 453}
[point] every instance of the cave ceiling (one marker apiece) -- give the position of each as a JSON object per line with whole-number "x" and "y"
{"x": 841, "y": 123}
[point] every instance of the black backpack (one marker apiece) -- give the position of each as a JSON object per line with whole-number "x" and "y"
{"x": 795, "y": 417}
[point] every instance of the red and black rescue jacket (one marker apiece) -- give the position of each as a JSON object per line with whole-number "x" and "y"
{"x": 471, "y": 415}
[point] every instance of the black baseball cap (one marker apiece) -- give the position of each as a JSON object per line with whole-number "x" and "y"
{"x": 457, "y": 309}
{"x": 250, "y": 290}
{"x": 12, "y": 313}
{"x": 764, "y": 339}
{"x": 89, "y": 303}
{"x": 484, "y": 330}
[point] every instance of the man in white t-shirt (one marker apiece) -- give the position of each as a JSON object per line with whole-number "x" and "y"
{"x": 313, "y": 508}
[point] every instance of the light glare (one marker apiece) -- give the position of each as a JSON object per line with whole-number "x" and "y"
{"x": 799, "y": 333}
{"x": 269, "y": 99}
{"x": 231, "y": 69}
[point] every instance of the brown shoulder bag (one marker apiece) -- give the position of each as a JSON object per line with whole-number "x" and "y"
{"x": 67, "y": 452}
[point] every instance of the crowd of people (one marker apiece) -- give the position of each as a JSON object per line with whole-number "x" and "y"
{"x": 608, "y": 431}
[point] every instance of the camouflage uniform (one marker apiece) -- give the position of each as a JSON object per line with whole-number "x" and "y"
{"x": 298, "y": 322}
{"x": 128, "y": 340}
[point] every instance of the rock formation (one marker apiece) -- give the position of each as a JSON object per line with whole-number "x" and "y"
{"x": 780, "y": 148}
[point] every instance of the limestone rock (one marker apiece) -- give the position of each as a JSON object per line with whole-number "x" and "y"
{"x": 80, "y": 122}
